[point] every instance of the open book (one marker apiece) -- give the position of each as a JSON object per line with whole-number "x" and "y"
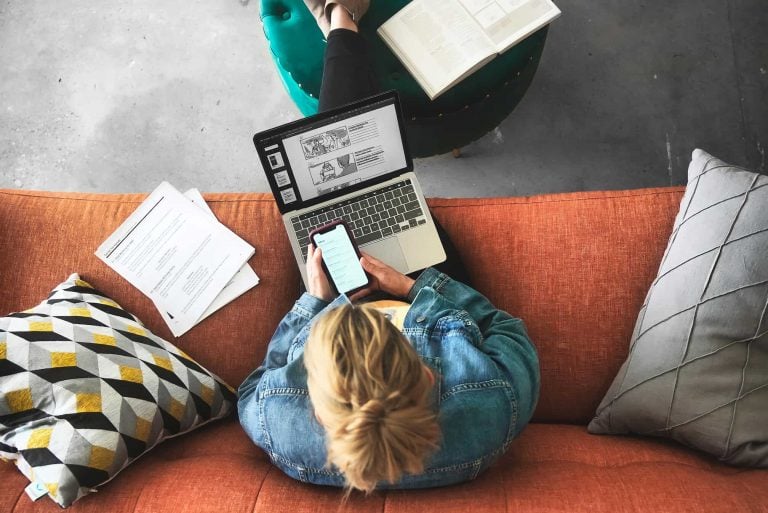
{"x": 441, "y": 42}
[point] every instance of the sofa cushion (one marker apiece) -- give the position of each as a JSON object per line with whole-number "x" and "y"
{"x": 697, "y": 370}
{"x": 551, "y": 467}
{"x": 575, "y": 267}
{"x": 85, "y": 389}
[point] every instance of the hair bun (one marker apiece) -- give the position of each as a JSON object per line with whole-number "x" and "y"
{"x": 374, "y": 408}
{"x": 369, "y": 415}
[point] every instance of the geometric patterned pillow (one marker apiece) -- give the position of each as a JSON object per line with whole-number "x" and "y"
{"x": 697, "y": 369}
{"x": 85, "y": 389}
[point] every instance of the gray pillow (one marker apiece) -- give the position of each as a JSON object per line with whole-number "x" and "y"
{"x": 697, "y": 370}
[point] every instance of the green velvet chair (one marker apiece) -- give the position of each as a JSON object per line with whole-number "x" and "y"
{"x": 459, "y": 116}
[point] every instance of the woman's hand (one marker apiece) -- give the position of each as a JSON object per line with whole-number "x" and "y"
{"x": 318, "y": 285}
{"x": 384, "y": 278}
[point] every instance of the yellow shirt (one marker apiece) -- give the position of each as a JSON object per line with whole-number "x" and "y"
{"x": 393, "y": 310}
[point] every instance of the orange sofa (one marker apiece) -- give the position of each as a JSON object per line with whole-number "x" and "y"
{"x": 575, "y": 267}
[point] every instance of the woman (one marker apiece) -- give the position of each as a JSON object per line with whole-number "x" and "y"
{"x": 425, "y": 389}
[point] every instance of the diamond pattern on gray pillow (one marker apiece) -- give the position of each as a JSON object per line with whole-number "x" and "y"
{"x": 697, "y": 370}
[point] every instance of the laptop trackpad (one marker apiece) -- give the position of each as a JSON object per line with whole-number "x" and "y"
{"x": 389, "y": 252}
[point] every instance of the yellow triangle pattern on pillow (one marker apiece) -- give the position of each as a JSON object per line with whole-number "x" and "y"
{"x": 85, "y": 389}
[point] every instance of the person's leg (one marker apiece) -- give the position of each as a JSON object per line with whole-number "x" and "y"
{"x": 347, "y": 73}
{"x": 348, "y": 77}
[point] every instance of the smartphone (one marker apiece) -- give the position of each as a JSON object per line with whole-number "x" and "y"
{"x": 341, "y": 258}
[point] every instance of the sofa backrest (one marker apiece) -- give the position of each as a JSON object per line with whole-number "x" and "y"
{"x": 575, "y": 267}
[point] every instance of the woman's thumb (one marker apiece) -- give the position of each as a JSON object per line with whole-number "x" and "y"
{"x": 373, "y": 261}
{"x": 366, "y": 262}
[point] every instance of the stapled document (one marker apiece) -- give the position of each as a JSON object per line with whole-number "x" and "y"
{"x": 175, "y": 253}
{"x": 243, "y": 281}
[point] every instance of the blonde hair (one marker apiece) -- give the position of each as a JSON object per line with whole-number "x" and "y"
{"x": 371, "y": 392}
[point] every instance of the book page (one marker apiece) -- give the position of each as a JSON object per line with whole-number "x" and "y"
{"x": 437, "y": 41}
{"x": 507, "y": 22}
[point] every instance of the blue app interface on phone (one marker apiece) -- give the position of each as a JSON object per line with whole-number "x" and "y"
{"x": 341, "y": 259}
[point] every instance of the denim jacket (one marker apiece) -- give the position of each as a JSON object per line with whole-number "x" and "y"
{"x": 487, "y": 385}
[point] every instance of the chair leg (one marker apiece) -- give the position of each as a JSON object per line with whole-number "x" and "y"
{"x": 456, "y": 152}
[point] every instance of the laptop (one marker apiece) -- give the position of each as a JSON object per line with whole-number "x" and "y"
{"x": 352, "y": 163}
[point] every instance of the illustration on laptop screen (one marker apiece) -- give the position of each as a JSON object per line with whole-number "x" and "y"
{"x": 351, "y": 148}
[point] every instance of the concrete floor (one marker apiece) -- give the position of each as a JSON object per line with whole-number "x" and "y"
{"x": 118, "y": 96}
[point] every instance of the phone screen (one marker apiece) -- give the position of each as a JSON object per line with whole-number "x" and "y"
{"x": 341, "y": 259}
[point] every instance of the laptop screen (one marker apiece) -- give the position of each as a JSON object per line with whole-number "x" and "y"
{"x": 323, "y": 156}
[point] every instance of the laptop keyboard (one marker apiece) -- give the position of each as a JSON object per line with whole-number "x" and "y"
{"x": 371, "y": 217}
